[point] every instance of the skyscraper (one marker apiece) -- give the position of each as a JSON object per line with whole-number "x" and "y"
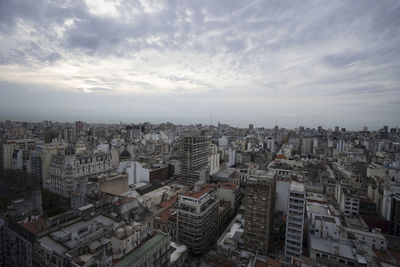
{"x": 295, "y": 220}
{"x": 260, "y": 195}
{"x": 194, "y": 156}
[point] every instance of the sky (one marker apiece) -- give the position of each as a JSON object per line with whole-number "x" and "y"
{"x": 288, "y": 63}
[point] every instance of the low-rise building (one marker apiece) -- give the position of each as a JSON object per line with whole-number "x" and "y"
{"x": 154, "y": 252}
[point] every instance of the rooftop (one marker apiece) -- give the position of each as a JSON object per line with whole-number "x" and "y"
{"x": 230, "y": 186}
{"x": 340, "y": 248}
{"x": 143, "y": 250}
{"x": 204, "y": 190}
{"x": 296, "y": 186}
{"x": 52, "y": 245}
{"x": 35, "y": 225}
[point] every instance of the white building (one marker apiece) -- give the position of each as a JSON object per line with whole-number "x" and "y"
{"x": 223, "y": 141}
{"x": 124, "y": 240}
{"x": 270, "y": 144}
{"x": 213, "y": 159}
{"x": 341, "y": 145}
{"x": 70, "y": 172}
{"x": 231, "y": 157}
{"x": 137, "y": 173}
{"x": 295, "y": 221}
{"x": 282, "y": 195}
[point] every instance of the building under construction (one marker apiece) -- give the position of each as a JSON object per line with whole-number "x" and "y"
{"x": 194, "y": 156}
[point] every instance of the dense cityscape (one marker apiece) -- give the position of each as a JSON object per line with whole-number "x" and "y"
{"x": 144, "y": 194}
{"x": 199, "y": 133}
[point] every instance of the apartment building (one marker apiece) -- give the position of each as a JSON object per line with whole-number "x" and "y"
{"x": 197, "y": 218}
{"x": 295, "y": 220}
{"x": 259, "y": 201}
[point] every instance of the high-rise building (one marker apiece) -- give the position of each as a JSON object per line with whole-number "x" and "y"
{"x": 295, "y": 221}
{"x": 395, "y": 216}
{"x": 194, "y": 156}
{"x": 260, "y": 196}
{"x": 6, "y": 154}
{"x": 79, "y": 126}
{"x": 337, "y": 129}
{"x": 197, "y": 218}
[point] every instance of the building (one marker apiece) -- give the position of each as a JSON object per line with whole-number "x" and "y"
{"x": 213, "y": 159}
{"x": 179, "y": 255}
{"x": 155, "y": 252}
{"x": 2, "y": 242}
{"x": 70, "y": 171}
{"x": 6, "y": 154}
{"x": 75, "y": 241}
{"x": 197, "y": 218}
{"x": 348, "y": 199}
{"x": 125, "y": 239}
{"x": 259, "y": 201}
{"x": 295, "y": 221}
{"x": 194, "y": 155}
{"x": 160, "y": 172}
{"x": 395, "y": 216}
{"x": 40, "y": 162}
{"x": 113, "y": 183}
{"x": 137, "y": 172}
{"x": 229, "y": 192}
{"x": 19, "y": 243}
{"x": 79, "y": 126}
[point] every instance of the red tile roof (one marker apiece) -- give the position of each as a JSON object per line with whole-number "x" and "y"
{"x": 226, "y": 185}
{"x": 280, "y": 157}
{"x": 169, "y": 203}
{"x": 35, "y": 226}
{"x": 128, "y": 199}
{"x": 273, "y": 262}
{"x": 164, "y": 216}
{"x": 204, "y": 190}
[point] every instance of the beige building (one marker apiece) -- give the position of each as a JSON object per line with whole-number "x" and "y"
{"x": 197, "y": 218}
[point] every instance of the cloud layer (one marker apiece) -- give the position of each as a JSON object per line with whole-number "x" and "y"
{"x": 263, "y": 62}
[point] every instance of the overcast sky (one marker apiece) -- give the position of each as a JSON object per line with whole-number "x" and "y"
{"x": 280, "y": 62}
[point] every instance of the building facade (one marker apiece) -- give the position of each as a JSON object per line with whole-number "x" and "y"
{"x": 194, "y": 155}
{"x": 295, "y": 221}
{"x": 70, "y": 171}
{"x": 197, "y": 218}
{"x": 259, "y": 201}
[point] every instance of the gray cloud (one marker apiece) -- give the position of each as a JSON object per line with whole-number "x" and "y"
{"x": 213, "y": 50}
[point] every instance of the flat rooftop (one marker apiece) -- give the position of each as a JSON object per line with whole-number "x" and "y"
{"x": 297, "y": 186}
{"x": 340, "y": 248}
{"x": 52, "y": 245}
{"x": 142, "y": 251}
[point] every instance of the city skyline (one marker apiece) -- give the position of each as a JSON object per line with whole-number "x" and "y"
{"x": 268, "y": 63}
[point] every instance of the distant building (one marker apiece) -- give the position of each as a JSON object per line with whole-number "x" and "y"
{"x": 213, "y": 159}
{"x": 79, "y": 126}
